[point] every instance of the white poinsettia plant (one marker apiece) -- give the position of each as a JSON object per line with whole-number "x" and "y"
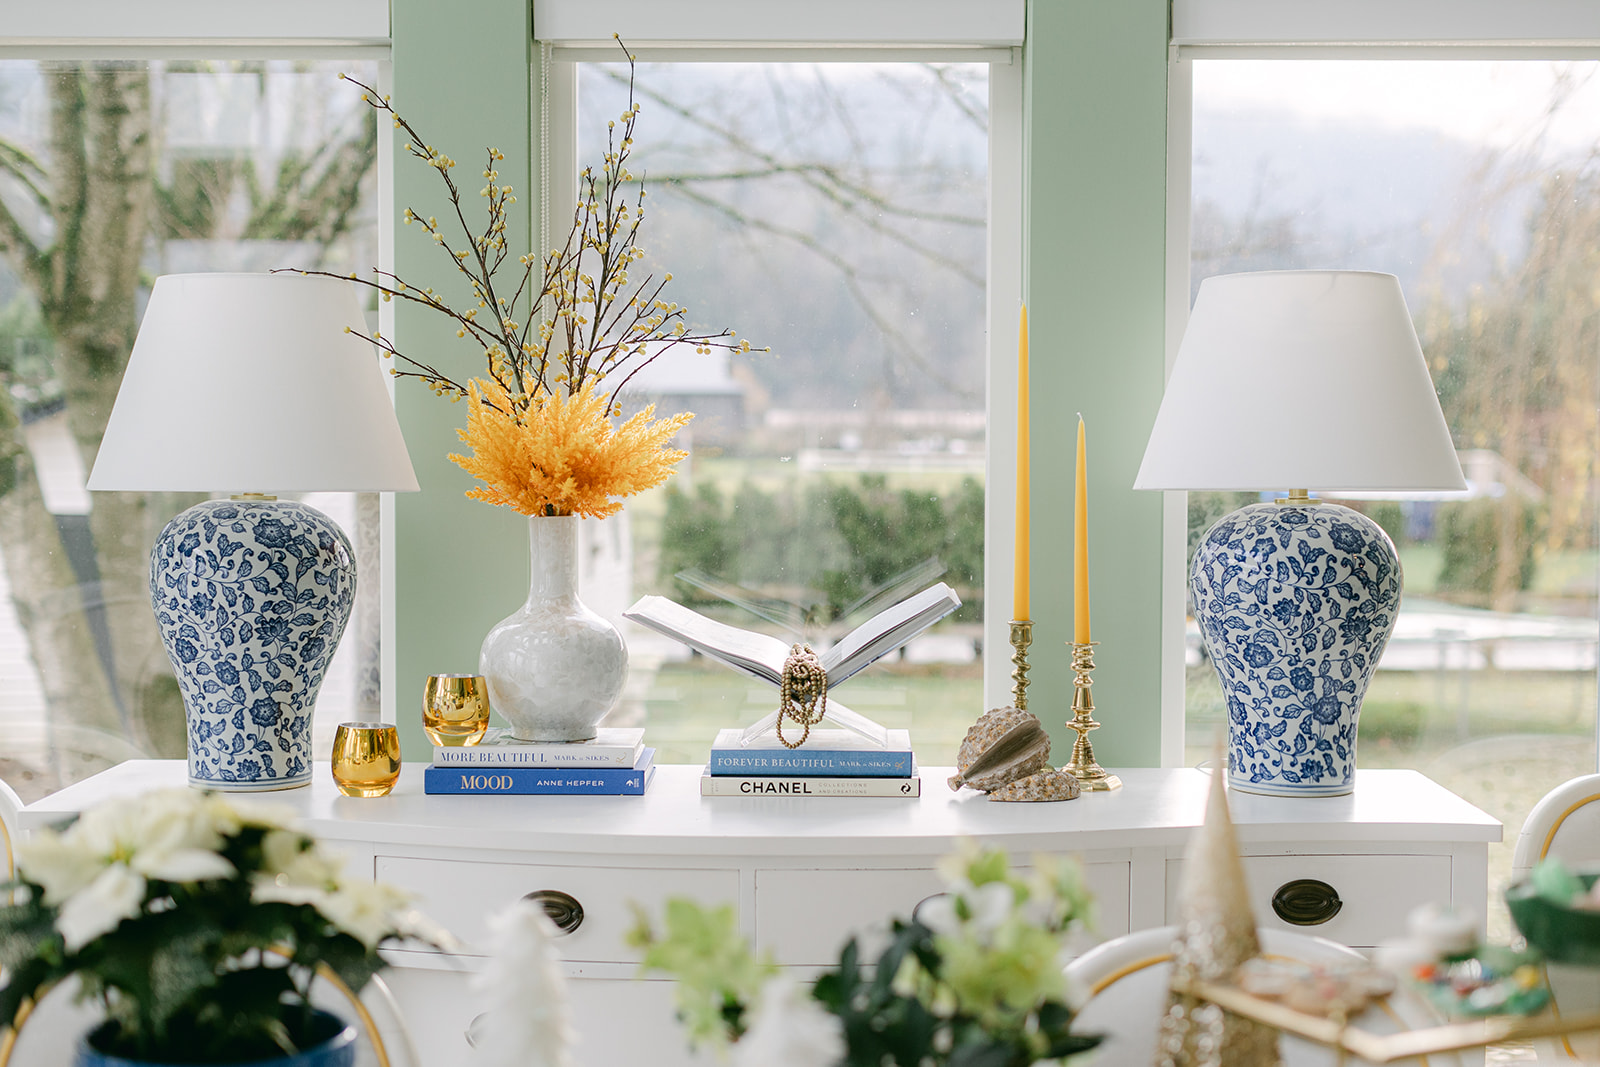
{"x": 198, "y": 922}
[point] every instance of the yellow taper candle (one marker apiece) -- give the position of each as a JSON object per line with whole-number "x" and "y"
{"x": 1080, "y": 548}
{"x": 1019, "y": 585}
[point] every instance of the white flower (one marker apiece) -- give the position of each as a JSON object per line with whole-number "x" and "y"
{"x": 938, "y": 913}
{"x": 270, "y": 892}
{"x": 59, "y": 865}
{"x": 182, "y": 865}
{"x": 789, "y": 1027}
{"x": 294, "y": 871}
{"x": 364, "y": 910}
{"x": 986, "y": 907}
{"x": 115, "y": 895}
{"x": 527, "y": 1022}
{"x": 412, "y": 923}
{"x": 990, "y": 905}
{"x": 289, "y": 859}
{"x": 163, "y": 821}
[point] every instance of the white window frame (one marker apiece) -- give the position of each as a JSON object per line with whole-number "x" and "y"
{"x": 1300, "y": 29}
{"x": 559, "y": 166}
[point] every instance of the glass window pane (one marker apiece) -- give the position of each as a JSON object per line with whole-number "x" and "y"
{"x": 1475, "y": 183}
{"x": 112, "y": 172}
{"x": 835, "y": 212}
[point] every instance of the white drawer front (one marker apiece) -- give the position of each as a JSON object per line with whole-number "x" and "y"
{"x": 1377, "y": 892}
{"x": 806, "y": 916}
{"x": 463, "y": 895}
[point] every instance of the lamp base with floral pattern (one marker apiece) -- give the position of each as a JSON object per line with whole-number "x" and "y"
{"x": 251, "y": 597}
{"x": 1295, "y": 603}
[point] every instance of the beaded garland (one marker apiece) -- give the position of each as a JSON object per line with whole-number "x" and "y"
{"x": 803, "y": 693}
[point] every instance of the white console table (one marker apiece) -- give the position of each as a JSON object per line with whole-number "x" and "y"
{"x": 804, "y": 873}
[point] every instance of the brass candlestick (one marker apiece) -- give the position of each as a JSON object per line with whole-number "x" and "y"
{"x": 1090, "y": 775}
{"x": 1021, "y": 638}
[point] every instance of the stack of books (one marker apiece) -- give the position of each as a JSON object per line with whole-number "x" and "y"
{"x": 615, "y": 763}
{"x": 832, "y": 763}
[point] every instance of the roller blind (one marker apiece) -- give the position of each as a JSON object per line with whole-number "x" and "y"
{"x": 1385, "y": 22}
{"x": 812, "y": 22}
{"x": 237, "y": 21}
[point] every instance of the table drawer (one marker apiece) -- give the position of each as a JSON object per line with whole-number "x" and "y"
{"x": 463, "y": 895}
{"x": 805, "y": 916}
{"x": 1375, "y": 892}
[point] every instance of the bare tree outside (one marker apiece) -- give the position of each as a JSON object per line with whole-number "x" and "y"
{"x": 1489, "y": 683}
{"x": 112, "y": 172}
{"x": 840, "y": 211}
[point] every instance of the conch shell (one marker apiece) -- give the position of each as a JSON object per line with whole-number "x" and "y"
{"x": 1045, "y": 785}
{"x": 1005, "y": 744}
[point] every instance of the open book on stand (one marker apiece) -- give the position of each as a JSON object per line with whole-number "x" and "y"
{"x": 762, "y": 656}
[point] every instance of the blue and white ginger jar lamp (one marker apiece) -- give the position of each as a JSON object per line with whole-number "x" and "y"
{"x": 1287, "y": 379}
{"x": 251, "y": 382}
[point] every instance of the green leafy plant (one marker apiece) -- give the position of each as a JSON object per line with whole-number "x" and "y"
{"x": 976, "y": 979}
{"x": 197, "y": 924}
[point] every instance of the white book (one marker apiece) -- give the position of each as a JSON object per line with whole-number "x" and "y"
{"x": 772, "y": 786}
{"x": 763, "y": 656}
{"x": 610, "y": 747}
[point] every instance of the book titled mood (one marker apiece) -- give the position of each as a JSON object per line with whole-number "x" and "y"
{"x": 610, "y": 747}
{"x": 568, "y": 781}
{"x": 833, "y": 753}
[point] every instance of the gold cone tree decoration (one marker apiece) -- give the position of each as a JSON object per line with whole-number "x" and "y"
{"x": 1216, "y": 934}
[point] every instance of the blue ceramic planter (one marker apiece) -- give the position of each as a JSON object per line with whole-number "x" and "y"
{"x": 338, "y": 1050}
{"x": 1296, "y": 604}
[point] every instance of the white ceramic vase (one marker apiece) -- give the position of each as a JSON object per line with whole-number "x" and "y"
{"x": 554, "y": 667}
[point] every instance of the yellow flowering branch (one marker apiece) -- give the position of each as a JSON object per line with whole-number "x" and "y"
{"x": 563, "y": 456}
{"x": 538, "y": 422}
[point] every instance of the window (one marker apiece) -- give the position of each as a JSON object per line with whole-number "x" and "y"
{"x": 227, "y": 164}
{"x": 838, "y": 213}
{"x": 1475, "y": 182}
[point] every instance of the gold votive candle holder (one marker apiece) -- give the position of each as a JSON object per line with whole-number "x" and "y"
{"x": 455, "y": 709}
{"x": 366, "y": 758}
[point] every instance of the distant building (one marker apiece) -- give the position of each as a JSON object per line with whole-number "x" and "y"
{"x": 679, "y": 379}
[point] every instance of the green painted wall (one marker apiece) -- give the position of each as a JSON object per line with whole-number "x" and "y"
{"x": 1094, "y": 280}
{"x": 1096, "y": 129}
{"x": 461, "y": 78}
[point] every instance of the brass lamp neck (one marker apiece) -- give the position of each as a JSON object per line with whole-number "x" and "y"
{"x": 252, "y": 496}
{"x": 1296, "y": 496}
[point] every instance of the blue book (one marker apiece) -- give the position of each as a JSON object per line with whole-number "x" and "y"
{"x": 564, "y": 781}
{"x": 826, "y": 754}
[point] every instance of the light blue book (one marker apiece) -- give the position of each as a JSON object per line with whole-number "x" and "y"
{"x": 826, "y": 753}
{"x": 567, "y": 781}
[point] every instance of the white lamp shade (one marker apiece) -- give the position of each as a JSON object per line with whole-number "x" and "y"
{"x": 1300, "y": 380}
{"x": 250, "y": 383}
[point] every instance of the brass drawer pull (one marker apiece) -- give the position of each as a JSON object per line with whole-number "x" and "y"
{"x": 563, "y": 908}
{"x": 1306, "y": 902}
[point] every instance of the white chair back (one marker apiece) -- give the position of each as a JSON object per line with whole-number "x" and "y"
{"x": 1125, "y": 980}
{"x": 10, "y": 835}
{"x": 1565, "y": 824}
